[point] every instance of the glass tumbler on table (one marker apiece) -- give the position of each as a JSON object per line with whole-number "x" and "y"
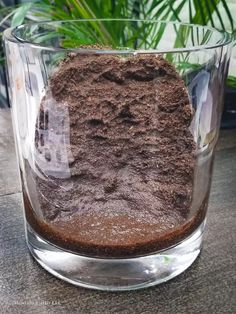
{"x": 115, "y": 124}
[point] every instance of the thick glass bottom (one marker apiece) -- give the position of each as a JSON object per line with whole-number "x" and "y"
{"x": 115, "y": 274}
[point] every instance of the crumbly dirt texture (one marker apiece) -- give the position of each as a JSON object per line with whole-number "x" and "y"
{"x": 114, "y": 156}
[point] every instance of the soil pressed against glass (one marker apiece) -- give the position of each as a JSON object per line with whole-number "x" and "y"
{"x": 114, "y": 157}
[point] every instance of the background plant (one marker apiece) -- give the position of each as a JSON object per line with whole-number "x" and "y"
{"x": 216, "y": 13}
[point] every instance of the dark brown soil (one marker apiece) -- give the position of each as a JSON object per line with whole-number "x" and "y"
{"x": 114, "y": 157}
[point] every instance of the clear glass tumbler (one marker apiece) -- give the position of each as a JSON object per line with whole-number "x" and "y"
{"x": 115, "y": 124}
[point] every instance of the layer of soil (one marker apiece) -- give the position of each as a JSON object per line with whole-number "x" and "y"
{"x": 114, "y": 157}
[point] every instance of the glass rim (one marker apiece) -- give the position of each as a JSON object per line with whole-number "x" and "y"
{"x": 226, "y": 37}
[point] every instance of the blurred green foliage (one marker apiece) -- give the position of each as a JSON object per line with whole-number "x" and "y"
{"x": 204, "y": 12}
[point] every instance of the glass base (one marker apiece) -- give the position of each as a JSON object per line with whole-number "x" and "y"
{"x": 115, "y": 274}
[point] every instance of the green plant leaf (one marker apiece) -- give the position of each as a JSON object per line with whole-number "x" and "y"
{"x": 228, "y": 14}
{"x": 200, "y": 12}
{"x": 20, "y": 14}
{"x": 231, "y": 81}
{"x": 218, "y": 14}
{"x": 209, "y": 12}
{"x": 176, "y": 11}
